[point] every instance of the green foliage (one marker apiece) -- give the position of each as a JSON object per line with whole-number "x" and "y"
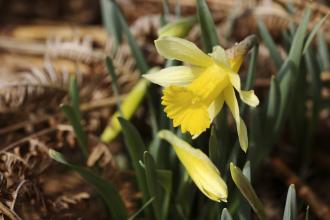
{"x": 290, "y": 211}
{"x": 209, "y": 33}
{"x": 106, "y": 190}
{"x": 247, "y": 191}
{"x": 72, "y": 112}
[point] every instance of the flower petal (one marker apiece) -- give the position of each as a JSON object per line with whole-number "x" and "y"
{"x": 183, "y": 50}
{"x": 235, "y": 81}
{"x": 180, "y": 105}
{"x": 199, "y": 167}
{"x": 175, "y": 75}
{"x": 249, "y": 98}
{"x": 220, "y": 57}
{"x": 231, "y": 101}
{"x": 246, "y": 96}
{"x": 216, "y": 107}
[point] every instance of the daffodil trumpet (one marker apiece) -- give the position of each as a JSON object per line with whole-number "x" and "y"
{"x": 199, "y": 167}
{"x": 195, "y": 93}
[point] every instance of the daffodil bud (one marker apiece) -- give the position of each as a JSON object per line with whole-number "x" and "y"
{"x": 178, "y": 28}
{"x": 128, "y": 107}
{"x": 200, "y": 168}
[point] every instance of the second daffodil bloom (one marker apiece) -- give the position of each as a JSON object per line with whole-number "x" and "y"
{"x": 199, "y": 167}
{"x": 195, "y": 93}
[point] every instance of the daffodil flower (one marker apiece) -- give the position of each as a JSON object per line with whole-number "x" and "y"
{"x": 199, "y": 167}
{"x": 195, "y": 93}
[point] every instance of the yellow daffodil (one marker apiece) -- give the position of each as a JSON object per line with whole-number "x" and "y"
{"x": 195, "y": 93}
{"x": 199, "y": 167}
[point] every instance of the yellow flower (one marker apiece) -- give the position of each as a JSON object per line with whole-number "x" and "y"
{"x": 199, "y": 167}
{"x": 194, "y": 94}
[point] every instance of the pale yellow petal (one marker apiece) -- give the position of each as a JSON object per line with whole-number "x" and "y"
{"x": 249, "y": 98}
{"x": 231, "y": 101}
{"x": 242, "y": 135}
{"x": 235, "y": 81}
{"x": 216, "y": 107}
{"x": 183, "y": 50}
{"x": 199, "y": 167}
{"x": 175, "y": 75}
{"x": 220, "y": 57}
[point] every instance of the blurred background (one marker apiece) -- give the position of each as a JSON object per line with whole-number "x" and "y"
{"x": 53, "y": 37}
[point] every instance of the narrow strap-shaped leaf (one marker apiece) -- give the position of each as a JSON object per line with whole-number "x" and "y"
{"x": 153, "y": 186}
{"x": 209, "y": 33}
{"x": 307, "y": 217}
{"x": 115, "y": 88}
{"x": 74, "y": 120}
{"x": 225, "y": 215}
{"x": 165, "y": 180}
{"x": 274, "y": 99}
{"x": 323, "y": 50}
{"x": 74, "y": 96}
{"x": 288, "y": 82}
{"x": 245, "y": 210}
{"x": 270, "y": 44}
{"x": 141, "y": 209}
{"x": 290, "y": 211}
{"x": 136, "y": 50}
{"x": 111, "y": 22}
{"x": 250, "y": 75}
{"x": 247, "y": 191}
{"x": 105, "y": 189}
{"x": 313, "y": 33}
{"x": 136, "y": 148}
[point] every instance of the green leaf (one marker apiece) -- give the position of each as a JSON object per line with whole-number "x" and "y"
{"x": 215, "y": 153}
{"x": 74, "y": 120}
{"x": 274, "y": 99}
{"x": 245, "y": 210}
{"x": 270, "y": 44}
{"x": 323, "y": 50}
{"x": 105, "y": 189}
{"x": 74, "y": 95}
{"x": 247, "y": 191}
{"x": 136, "y": 148}
{"x": 307, "y": 216}
{"x": 290, "y": 211}
{"x": 288, "y": 82}
{"x": 110, "y": 21}
{"x": 285, "y": 68}
{"x": 313, "y": 33}
{"x": 141, "y": 209}
{"x": 225, "y": 215}
{"x": 153, "y": 186}
{"x": 115, "y": 88}
{"x": 136, "y": 51}
{"x": 165, "y": 180}
{"x": 209, "y": 33}
{"x": 314, "y": 70}
{"x": 249, "y": 83}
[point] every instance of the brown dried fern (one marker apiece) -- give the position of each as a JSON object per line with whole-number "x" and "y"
{"x": 34, "y": 88}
